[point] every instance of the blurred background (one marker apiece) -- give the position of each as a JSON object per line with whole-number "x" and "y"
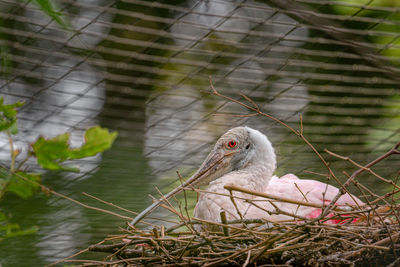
{"x": 141, "y": 68}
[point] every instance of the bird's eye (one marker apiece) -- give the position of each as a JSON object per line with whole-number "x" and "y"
{"x": 248, "y": 146}
{"x": 232, "y": 144}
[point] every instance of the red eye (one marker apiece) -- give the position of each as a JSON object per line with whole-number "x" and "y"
{"x": 232, "y": 144}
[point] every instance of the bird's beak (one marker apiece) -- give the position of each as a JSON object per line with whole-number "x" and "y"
{"x": 214, "y": 166}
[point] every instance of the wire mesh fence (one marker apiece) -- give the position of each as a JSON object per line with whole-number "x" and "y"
{"x": 335, "y": 62}
{"x": 143, "y": 67}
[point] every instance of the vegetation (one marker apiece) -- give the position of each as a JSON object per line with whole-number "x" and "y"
{"x": 49, "y": 153}
{"x": 47, "y": 7}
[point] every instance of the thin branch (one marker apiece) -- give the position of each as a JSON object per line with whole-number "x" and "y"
{"x": 297, "y": 133}
{"x": 108, "y": 203}
{"x": 278, "y": 198}
{"x": 342, "y": 189}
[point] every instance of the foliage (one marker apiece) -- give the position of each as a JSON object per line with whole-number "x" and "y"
{"x": 12, "y": 229}
{"x": 390, "y": 39}
{"x": 23, "y": 184}
{"x": 47, "y": 7}
{"x": 50, "y": 154}
{"x": 8, "y": 116}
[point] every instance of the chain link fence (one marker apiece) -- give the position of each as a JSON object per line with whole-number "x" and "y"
{"x": 143, "y": 67}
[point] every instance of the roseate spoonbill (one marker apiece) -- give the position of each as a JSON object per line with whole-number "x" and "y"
{"x": 245, "y": 157}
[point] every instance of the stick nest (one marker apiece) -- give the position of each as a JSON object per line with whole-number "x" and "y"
{"x": 366, "y": 236}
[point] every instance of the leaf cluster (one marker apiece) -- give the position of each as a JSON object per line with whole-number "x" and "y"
{"x": 49, "y": 153}
{"x": 8, "y": 116}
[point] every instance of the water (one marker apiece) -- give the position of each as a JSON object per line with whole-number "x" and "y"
{"x": 144, "y": 74}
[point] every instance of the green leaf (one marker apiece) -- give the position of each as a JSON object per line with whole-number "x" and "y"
{"x": 21, "y": 186}
{"x": 97, "y": 140}
{"x": 3, "y": 217}
{"x": 47, "y": 7}
{"x": 50, "y": 153}
{"x": 8, "y": 229}
{"x": 29, "y": 231}
{"x": 8, "y": 116}
{"x": 12, "y": 229}
{"x": 14, "y": 128}
{"x": 4, "y": 177}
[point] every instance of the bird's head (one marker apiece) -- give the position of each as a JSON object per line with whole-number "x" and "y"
{"x": 238, "y": 149}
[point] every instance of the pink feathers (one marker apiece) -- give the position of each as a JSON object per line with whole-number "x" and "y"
{"x": 312, "y": 191}
{"x": 245, "y": 158}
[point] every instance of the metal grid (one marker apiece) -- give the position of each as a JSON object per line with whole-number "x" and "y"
{"x": 141, "y": 67}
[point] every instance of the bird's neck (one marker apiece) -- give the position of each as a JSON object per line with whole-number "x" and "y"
{"x": 260, "y": 169}
{"x": 257, "y": 176}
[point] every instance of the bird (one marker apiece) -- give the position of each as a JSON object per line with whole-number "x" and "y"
{"x": 244, "y": 157}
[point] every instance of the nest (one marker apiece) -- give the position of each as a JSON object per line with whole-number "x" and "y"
{"x": 248, "y": 243}
{"x": 364, "y": 236}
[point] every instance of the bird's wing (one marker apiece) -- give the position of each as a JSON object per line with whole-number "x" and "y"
{"x": 313, "y": 191}
{"x": 301, "y": 190}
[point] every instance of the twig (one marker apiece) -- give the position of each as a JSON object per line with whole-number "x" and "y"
{"x": 378, "y": 243}
{"x": 44, "y": 188}
{"x": 108, "y": 203}
{"x": 297, "y": 133}
{"x": 270, "y": 196}
{"x": 232, "y": 198}
{"x": 224, "y": 221}
{"x": 342, "y": 189}
{"x": 254, "y": 108}
{"x": 247, "y": 261}
{"x": 301, "y": 192}
{"x": 188, "y": 225}
{"x": 13, "y": 152}
{"x": 67, "y": 258}
{"x": 365, "y": 168}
